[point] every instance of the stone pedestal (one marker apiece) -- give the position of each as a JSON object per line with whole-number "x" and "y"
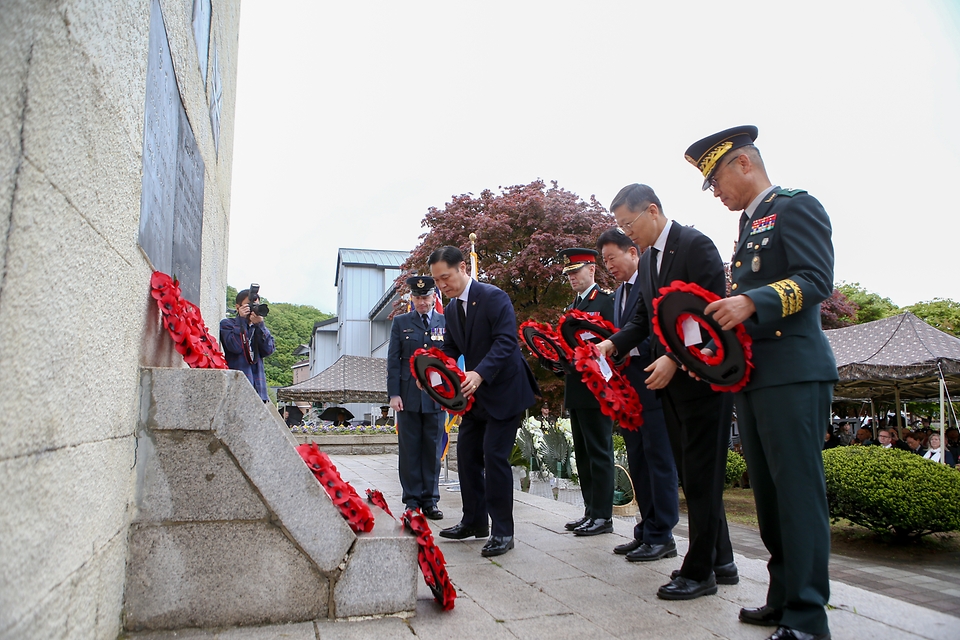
{"x": 233, "y": 529}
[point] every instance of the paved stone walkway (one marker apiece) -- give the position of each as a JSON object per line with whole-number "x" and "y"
{"x": 557, "y": 586}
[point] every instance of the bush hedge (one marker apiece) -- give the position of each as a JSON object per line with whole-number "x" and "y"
{"x": 892, "y": 491}
{"x": 736, "y": 466}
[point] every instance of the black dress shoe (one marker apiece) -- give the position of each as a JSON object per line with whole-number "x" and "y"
{"x": 725, "y": 573}
{"x": 433, "y": 513}
{"x": 595, "y": 527}
{"x": 573, "y": 524}
{"x": 497, "y": 546}
{"x": 765, "y": 616}
{"x": 785, "y": 633}
{"x": 650, "y": 552}
{"x": 627, "y": 547}
{"x": 460, "y": 531}
{"x": 681, "y": 588}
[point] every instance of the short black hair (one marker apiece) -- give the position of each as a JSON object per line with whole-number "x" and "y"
{"x": 449, "y": 254}
{"x": 615, "y": 237}
{"x": 241, "y": 296}
{"x": 636, "y": 197}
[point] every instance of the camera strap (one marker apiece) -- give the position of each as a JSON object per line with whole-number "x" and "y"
{"x": 247, "y": 347}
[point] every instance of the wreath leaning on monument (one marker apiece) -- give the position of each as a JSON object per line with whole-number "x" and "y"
{"x": 182, "y": 320}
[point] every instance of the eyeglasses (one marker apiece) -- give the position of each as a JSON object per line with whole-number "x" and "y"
{"x": 713, "y": 180}
{"x": 629, "y": 225}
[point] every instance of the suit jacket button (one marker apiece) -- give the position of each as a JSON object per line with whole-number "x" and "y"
{"x": 734, "y": 287}
{"x": 737, "y": 264}
{"x": 778, "y": 334}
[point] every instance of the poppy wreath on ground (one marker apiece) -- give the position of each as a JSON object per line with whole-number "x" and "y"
{"x": 578, "y": 328}
{"x": 729, "y": 368}
{"x": 354, "y": 510}
{"x": 375, "y": 497}
{"x": 448, "y": 393}
{"x": 553, "y": 353}
{"x": 182, "y": 320}
{"x": 617, "y": 397}
{"x": 432, "y": 564}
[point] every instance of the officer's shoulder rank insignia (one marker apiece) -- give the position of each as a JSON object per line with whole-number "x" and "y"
{"x": 788, "y": 192}
{"x": 593, "y": 294}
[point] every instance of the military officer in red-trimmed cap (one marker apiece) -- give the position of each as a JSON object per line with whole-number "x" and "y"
{"x": 592, "y": 431}
{"x": 782, "y": 270}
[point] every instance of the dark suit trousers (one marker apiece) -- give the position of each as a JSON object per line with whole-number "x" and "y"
{"x": 700, "y": 432}
{"x": 486, "y": 480}
{"x": 418, "y": 438}
{"x": 654, "y": 476}
{"x": 781, "y": 429}
{"x": 593, "y": 447}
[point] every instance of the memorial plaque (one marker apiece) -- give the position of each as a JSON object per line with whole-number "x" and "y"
{"x": 171, "y": 200}
{"x": 201, "y": 33}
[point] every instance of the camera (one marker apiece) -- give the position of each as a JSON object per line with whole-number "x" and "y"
{"x": 253, "y": 301}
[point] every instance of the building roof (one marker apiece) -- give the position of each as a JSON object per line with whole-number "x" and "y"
{"x": 369, "y": 258}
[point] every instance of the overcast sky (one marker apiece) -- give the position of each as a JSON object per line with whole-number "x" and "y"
{"x": 354, "y": 117}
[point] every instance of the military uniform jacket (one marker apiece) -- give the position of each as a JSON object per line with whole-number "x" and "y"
{"x": 784, "y": 263}
{"x": 406, "y": 336}
{"x": 576, "y": 395}
{"x": 688, "y": 256}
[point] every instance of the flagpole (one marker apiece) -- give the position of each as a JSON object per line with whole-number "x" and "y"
{"x": 473, "y": 256}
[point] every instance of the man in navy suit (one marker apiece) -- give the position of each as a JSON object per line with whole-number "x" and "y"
{"x": 698, "y": 418}
{"x": 482, "y": 326}
{"x": 649, "y": 455}
{"x": 419, "y": 418}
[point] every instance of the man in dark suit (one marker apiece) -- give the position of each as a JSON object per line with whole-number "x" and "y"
{"x": 782, "y": 270}
{"x": 652, "y": 467}
{"x": 698, "y": 418}
{"x": 482, "y": 326}
{"x": 592, "y": 431}
{"x": 420, "y": 419}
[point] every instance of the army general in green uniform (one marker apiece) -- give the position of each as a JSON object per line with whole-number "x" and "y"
{"x": 782, "y": 270}
{"x": 591, "y": 430}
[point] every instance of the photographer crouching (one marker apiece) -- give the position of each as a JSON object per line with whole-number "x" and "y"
{"x": 246, "y": 341}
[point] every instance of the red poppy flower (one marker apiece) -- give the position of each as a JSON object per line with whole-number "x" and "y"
{"x": 617, "y": 398}
{"x": 352, "y": 508}
{"x": 431, "y": 560}
{"x": 183, "y": 322}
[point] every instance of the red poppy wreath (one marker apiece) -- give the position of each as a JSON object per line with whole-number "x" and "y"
{"x": 182, "y": 320}
{"x": 728, "y": 369}
{"x": 553, "y": 353}
{"x": 618, "y": 399}
{"x": 441, "y": 378}
{"x": 354, "y": 510}
{"x": 578, "y": 328}
{"x": 429, "y": 557}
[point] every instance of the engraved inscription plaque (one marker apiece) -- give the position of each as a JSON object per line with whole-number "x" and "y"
{"x": 171, "y": 201}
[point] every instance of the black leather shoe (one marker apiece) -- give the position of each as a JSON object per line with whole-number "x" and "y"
{"x": 650, "y": 552}
{"x": 573, "y": 524}
{"x": 785, "y": 633}
{"x": 460, "y": 531}
{"x": 627, "y": 547}
{"x": 433, "y": 513}
{"x": 681, "y": 588}
{"x": 497, "y": 546}
{"x": 595, "y": 527}
{"x": 764, "y": 616}
{"x": 724, "y": 573}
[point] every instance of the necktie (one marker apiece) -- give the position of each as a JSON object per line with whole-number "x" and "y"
{"x": 744, "y": 218}
{"x": 426, "y": 321}
{"x": 626, "y": 294}
{"x": 654, "y": 269}
{"x": 462, "y": 314}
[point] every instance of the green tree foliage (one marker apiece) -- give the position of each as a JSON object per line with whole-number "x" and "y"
{"x": 291, "y": 325}
{"x": 870, "y": 306}
{"x": 892, "y": 491}
{"x": 736, "y": 467}
{"x": 942, "y": 313}
{"x": 519, "y": 232}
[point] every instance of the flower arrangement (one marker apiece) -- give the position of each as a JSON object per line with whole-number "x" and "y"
{"x": 182, "y": 320}
{"x": 547, "y": 448}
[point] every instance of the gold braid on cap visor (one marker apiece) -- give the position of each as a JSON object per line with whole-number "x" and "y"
{"x": 791, "y": 297}
{"x": 709, "y": 160}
